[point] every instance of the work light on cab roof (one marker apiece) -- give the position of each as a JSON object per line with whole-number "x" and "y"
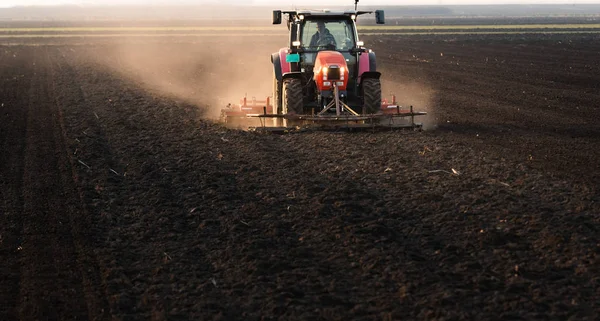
{"x": 324, "y": 77}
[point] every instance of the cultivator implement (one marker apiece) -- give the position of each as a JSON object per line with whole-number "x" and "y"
{"x": 247, "y": 111}
{"x": 257, "y": 115}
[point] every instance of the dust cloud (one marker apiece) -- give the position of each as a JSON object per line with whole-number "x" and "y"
{"x": 410, "y": 92}
{"x": 209, "y": 72}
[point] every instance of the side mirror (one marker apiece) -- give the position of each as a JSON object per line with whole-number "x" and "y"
{"x": 359, "y": 48}
{"x": 379, "y": 17}
{"x": 276, "y": 17}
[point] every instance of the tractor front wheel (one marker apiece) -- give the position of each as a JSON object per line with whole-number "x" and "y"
{"x": 371, "y": 90}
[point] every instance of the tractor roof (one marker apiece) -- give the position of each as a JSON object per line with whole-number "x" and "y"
{"x": 325, "y": 13}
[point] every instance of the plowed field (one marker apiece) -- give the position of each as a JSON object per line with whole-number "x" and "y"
{"x": 121, "y": 200}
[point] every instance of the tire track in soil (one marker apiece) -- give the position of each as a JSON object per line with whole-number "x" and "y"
{"x": 86, "y": 231}
{"x": 13, "y": 117}
{"x": 47, "y": 248}
{"x": 51, "y": 272}
{"x": 137, "y": 285}
{"x": 92, "y": 147}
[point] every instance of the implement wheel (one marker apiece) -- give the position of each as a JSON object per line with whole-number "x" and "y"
{"x": 371, "y": 90}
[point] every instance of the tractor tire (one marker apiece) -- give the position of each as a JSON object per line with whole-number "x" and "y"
{"x": 276, "y": 95}
{"x": 371, "y": 90}
{"x": 292, "y": 100}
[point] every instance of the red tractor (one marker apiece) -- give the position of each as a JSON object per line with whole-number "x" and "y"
{"x": 324, "y": 76}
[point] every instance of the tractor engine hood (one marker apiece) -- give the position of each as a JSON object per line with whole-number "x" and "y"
{"x": 330, "y": 69}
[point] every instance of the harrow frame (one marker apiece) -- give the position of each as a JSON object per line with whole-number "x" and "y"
{"x": 391, "y": 116}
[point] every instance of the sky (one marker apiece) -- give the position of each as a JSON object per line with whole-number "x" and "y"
{"x": 279, "y": 3}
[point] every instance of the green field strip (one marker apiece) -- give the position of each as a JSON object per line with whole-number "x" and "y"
{"x": 146, "y": 35}
{"x": 524, "y": 32}
{"x": 476, "y": 27}
{"x": 135, "y": 29}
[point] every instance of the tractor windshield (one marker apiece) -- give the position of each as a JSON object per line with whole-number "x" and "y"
{"x": 327, "y": 35}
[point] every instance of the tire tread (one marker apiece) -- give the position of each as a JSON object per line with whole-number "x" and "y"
{"x": 293, "y": 96}
{"x": 371, "y": 95}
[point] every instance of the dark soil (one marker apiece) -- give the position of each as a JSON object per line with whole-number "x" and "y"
{"x": 119, "y": 202}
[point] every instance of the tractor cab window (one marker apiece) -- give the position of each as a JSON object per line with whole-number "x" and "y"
{"x": 327, "y": 35}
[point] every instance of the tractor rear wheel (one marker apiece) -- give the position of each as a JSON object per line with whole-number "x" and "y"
{"x": 371, "y": 90}
{"x": 276, "y": 95}
{"x": 292, "y": 100}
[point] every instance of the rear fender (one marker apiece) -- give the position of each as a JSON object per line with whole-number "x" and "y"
{"x": 279, "y": 65}
{"x": 366, "y": 63}
{"x": 292, "y": 75}
{"x": 370, "y": 74}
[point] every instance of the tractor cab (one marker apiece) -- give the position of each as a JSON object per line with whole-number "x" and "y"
{"x": 328, "y": 33}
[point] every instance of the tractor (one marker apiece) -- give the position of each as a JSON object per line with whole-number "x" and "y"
{"x": 324, "y": 76}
